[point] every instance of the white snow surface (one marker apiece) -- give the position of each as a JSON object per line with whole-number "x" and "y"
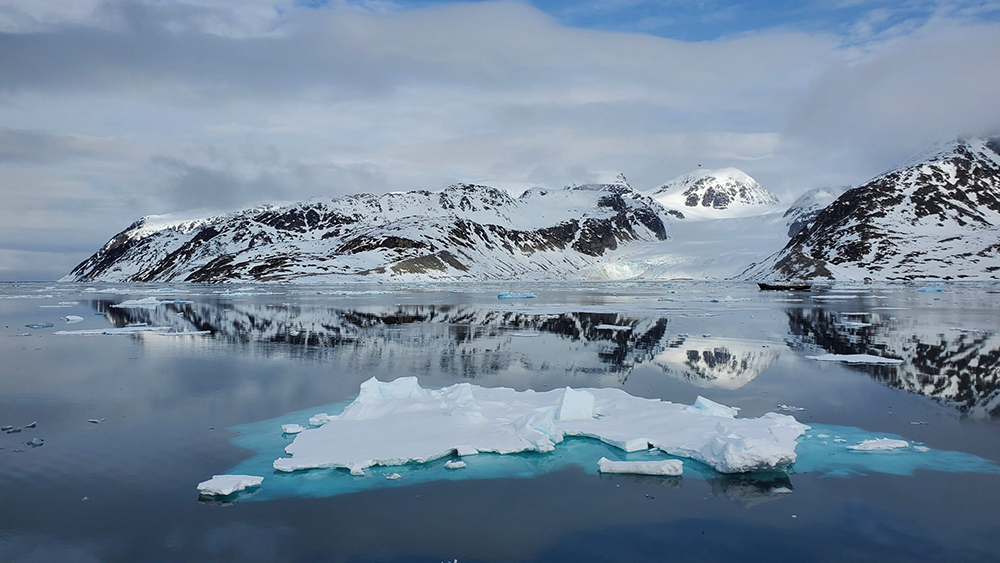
{"x": 223, "y": 485}
{"x": 399, "y": 422}
{"x": 879, "y": 444}
{"x": 855, "y": 359}
{"x": 666, "y": 467}
{"x": 715, "y": 194}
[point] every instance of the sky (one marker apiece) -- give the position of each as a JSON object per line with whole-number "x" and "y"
{"x": 112, "y": 110}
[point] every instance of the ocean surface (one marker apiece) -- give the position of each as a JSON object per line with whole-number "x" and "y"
{"x": 139, "y": 392}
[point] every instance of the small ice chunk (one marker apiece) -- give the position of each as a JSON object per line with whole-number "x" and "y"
{"x": 668, "y": 467}
{"x": 73, "y": 319}
{"x": 291, "y": 428}
{"x": 615, "y": 328}
{"x": 781, "y": 490}
{"x": 855, "y": 359}
{"x": 921, "y": 449}
{"x": 879, "y": 444}
{"x": 14, "y": 430}
{"x": 394, "y": 477}
{"x": 463, "y": 451}
{"x": 36, "y": 442}
{"x": 790, "y": 408}
{"x": 711, "y": 408}
{"x": 454, "y": 464}
{"x": 40, "y": 325}
{"x": 918, "y": 422}
{"x": 5, "y": 428}
{"x": 95, "y": 420}
{"x": 576, "y": 405}
{"x": 224, "y": 485}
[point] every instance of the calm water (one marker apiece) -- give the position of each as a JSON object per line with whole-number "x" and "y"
{"x": 173, "y": 408}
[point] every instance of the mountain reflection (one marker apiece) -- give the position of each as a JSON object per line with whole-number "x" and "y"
{"x": 956, "y": 366}
{"x": 465, "y": 340}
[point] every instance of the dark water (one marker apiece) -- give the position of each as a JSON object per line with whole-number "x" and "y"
{"x": 168, "y": 403}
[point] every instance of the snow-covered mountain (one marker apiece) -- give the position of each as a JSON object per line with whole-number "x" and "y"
{"x": 804, "y": 210}
{"x": 715, "y": 194}
{"x": 462, "y": 232}
{"x": 938, "y": 218}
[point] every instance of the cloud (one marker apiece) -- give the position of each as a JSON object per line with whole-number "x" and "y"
{"x": 133, "y": 108}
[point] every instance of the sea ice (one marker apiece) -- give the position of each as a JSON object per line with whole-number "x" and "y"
{"x": 39, "y": 325}
{"x": 879, "y": 444}
{"x": 132, "y": 329}
{"x": 224, "y": 485}
{"x": 668, "y": 467}
{"x": 454, "y": 464}
{"x": 855, "y": 359}
{"x": 36, "y": 442}
{"x": 399, "y": 422}
{"x": 291, "y": 428}
{"x": 515, "y": 295}
{"x": 73, "y": 319}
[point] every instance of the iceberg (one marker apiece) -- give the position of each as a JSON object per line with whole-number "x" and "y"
{"x": 225, "y": 485}
{"x": 666, "y": 467}
{"x": 397, "y": 423}
{"x": 855, "y": 359}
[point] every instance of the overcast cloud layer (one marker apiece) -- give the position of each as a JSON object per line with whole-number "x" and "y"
{"x": 111, "y": 111}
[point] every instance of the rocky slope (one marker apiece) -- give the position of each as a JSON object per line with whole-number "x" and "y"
{"x": 938, "y": 218}
{"x": 462, "y": 232}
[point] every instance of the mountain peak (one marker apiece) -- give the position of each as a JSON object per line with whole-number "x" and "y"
{"x": 726, "y": 192}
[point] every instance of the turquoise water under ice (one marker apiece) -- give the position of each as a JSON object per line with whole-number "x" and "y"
{"x": 822, "y": 450}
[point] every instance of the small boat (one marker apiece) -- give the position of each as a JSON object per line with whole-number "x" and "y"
{"x": 784, "y": 286}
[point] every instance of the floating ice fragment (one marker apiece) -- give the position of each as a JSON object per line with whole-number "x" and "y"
{"x": 224, "y": 485}
{"x": 131, "y": 329}
{"x": 394, "y": 477}
{"x": 291, "y": 428}
{"x": 790, "y": 408}
{"x": 454, "y": 464}
{"x": 921, "y": 449}
{"x": 918, "y": 422}
{"x": 36, "y": 442}
{"x": 666, "y": 467}
{"x": 39, "y": 325}
{"x": 73, "y": 319}
{"x": 397, "y": 423}
{"x": 515, "y": 295}
{"x": 6, "y": 428}
{"x": 32, "y": 424}
{"x": 14, "y": 430}
{"x": 879, "y": 444}
{"x": 781, "y": 490}
{"x": 855, "y": 359}
{"x": 95, "y": 420}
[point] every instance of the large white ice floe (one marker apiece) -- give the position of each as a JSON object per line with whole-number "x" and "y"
{"x": 855, "y": 359}
{"x": 224, "y": 485}
{"x": 879, "y": 444}
{"x": 665, "y": 467}
{"x": 399, "y": 422}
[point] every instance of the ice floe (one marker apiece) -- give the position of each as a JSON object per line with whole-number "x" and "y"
{"x": 113, "y": 331}
{"x": 291, "y": 428}
{"x": 666, "y": 467}
{"x": 879, "y": 444}
{"x": 855, "y": 359}
{"x": 399, "y": 422}
{"x": 454, "y": 464}
{"x": 225, "y": 485}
